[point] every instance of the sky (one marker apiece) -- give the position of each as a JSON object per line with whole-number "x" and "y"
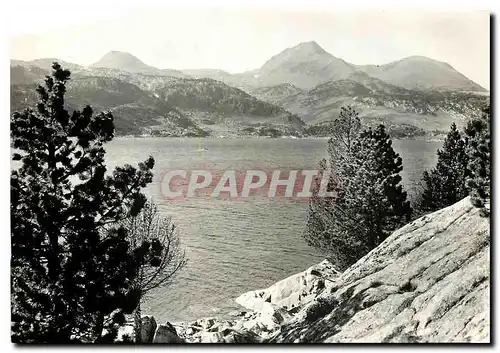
{"x": 237, "y": 40}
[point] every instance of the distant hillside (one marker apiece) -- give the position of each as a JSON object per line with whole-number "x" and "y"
{"x": 307, "y": 65}
{"x": 135, "y": 111}
{"x": 127, "y": 62}
{"x": 21, "y": 75}
{"x": 46, "y": 63}
{"x": 376, "y": 85}
{"x": 302, "y": 84}
{"x": 145, "y": 82}
{"x": 162, "y": 105}
{"x": 304, "y": 65}
{"x": 215, "y": 74}
{"x": 227, "y": 110}
{"x": 405, "y": 112}
{"x": 212, "y": 95}
{"x": 420, "y": 72}
{"x": 277, "y": 94}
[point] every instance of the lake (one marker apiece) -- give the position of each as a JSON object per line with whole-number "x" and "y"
{"x": 233, "y": 247}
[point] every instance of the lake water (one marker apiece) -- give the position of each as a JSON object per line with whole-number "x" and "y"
{"x": 233, "y": 247}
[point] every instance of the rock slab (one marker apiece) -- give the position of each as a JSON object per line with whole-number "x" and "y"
{"x": 428, "y": 282}
{"x": 166, "y": 333}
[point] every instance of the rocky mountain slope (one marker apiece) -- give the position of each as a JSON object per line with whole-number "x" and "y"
{"x": 20, "y": 75}
{"x": 304, "y": 84}
{"x": 135, "y": 111}
{"x": 212, "y": 95}
{"x": 46, "y": 63}
{"x": 420, "y": 72}
{"x": 127, "y": 62}
{"x": 163, "y": 105}
{"x": 227, "y": 110}
{"x": 427, "y": 282}
{"x": 307, "y": 65}
{"x": 403, "y": 111}
{"x": 414, "y": 96}
{"x": 214, "y": 74}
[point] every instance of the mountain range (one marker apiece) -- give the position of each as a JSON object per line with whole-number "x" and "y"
{"x": 307, "y": 64}
{"x": 295, "y": 92}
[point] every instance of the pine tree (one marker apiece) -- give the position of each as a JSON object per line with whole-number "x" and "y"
{"x": 479, "y": 167}
{"x": 446, "y": 183}
{"x": 72, "y": 268}
{"x": 320, "y": 212}
{"x": 370, "y": 201}
{"x": 343, "y": 131}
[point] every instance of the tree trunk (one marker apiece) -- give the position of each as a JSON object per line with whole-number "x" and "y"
{"x": 98, "y": 328}
{"x": 137, "y": 323}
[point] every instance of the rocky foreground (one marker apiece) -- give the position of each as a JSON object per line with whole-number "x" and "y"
{"x": 428, "y": 282}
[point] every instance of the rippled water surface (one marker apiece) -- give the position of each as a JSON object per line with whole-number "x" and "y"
{"x": 233, "y": 247}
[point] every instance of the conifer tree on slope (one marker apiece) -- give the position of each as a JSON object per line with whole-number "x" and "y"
{"x": 446, "y": 183}
{"x": 370, "y": 201}
{"x": 343, "y": 131}
{"x": 479, "y": 167}
{"x": 71, "y": 265}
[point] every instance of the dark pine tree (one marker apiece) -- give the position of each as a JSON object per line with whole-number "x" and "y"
{"x": 479, "y": 167}
{"x": 343, "y": 132}
{"x": 72, "y": 268}
{"x": 446, "y": 183}
{"x": 370, "y": 201}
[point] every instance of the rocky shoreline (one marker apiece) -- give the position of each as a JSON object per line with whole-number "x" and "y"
{"x": 266, "y": 309}
{"x": 428, "y": 282}
{"x": 263, "y": 313}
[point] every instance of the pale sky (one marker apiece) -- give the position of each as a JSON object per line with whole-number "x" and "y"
{"x": 238, "y": 40}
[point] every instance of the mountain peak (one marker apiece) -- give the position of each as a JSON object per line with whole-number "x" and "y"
{"x": 304, "y": 51}
{"x": 309, "y": 47}
{"x": 123, "y": 61}
{"x": 120, "y": 54}
{"x": 423, "y": 73}
{"x": 304, "y": 65}
{"x": 115, "y": 55}
{"x": 421, "y": 58}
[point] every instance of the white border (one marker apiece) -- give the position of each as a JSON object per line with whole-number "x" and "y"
{"x": 11, "y": 12}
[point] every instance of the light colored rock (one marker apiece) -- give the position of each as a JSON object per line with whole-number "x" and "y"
{"x": 211, "y": 337}
{"x": 427, "y": 282}
{"x": 237, "y": 313}
{"x": 206, "y": 322}
{"x": 241, "y": 337}
{"x": 248, "y": 315}
{"x": 166, "y": 334}
{"x": 255, "y": 326}
{"x": 270, "y": 316}
{"x": 148, "y": 328}
{"x": 126, "y": 333}
{"x": 214, "y": 328}
{"x": 293, "y": 291}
